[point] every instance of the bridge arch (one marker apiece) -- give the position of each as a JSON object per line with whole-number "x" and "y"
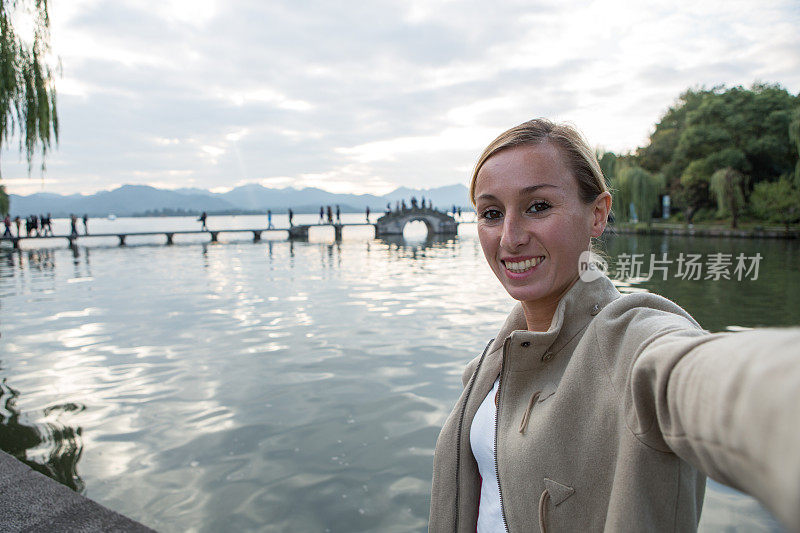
{"x": 438, "y": 223}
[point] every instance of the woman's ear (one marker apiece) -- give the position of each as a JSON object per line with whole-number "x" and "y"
{"x": 601, "y": 207}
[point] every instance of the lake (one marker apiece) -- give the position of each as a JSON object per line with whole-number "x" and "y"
{"x": 288, "y": 386}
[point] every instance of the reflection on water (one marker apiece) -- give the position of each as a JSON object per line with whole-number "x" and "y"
{"x": 769, "y": 300}
{"x": 50, "y": 446}
{"x": 283, "y": 385}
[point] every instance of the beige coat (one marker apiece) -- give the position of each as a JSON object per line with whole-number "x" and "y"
{"x": 605, "y": 419}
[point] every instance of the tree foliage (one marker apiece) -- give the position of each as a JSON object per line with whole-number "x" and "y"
{"x": 728, "y": 185}
{"x": 754, "y": 132}
{"x": 608, "y": 164}
{"x": 4, "y": 203}
{"x": 794, "y": 136}
{"x": 27, "y": 89}
{"x": 634, "y": 185}
{"x": 777, "y": 202}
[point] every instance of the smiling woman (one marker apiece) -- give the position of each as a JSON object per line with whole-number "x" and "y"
{"x": 607, "y": 410}
{"x": 533, "y": 225}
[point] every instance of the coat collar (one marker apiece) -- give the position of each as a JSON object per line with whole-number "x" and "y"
{"x": 576, "y": 309}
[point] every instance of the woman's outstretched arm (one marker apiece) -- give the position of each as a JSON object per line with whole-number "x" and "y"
{"x": 728, "y": 403}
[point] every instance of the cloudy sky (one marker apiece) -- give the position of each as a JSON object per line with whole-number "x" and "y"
{"x": 367, "y": 96}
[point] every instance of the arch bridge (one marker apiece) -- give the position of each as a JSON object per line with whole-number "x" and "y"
{"x": 438, "y": 223}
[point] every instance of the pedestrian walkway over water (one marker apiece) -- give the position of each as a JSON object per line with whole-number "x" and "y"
{"x": 72, "y": 239}
{"x": 438, "y": 223}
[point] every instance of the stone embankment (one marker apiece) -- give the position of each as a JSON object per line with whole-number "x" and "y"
{"x": 30, "y": 501}
{"x": 704, "y": 231}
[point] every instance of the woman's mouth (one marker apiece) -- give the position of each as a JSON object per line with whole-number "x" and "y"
{"x": 518, "y": 267}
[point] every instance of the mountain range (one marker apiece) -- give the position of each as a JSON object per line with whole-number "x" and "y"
{"x": 130, "y": 200}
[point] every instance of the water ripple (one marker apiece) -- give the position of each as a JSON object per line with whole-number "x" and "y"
{"x": 273, "y": 386}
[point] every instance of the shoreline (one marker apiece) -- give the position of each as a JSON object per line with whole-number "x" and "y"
{"x": 31, "y": 501}
{"x": 703, "y": 231}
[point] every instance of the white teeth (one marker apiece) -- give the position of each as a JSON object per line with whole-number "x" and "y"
{"x": 522, "y": 266}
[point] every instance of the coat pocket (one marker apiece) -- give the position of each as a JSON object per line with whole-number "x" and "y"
{"x": 553, "y": 495}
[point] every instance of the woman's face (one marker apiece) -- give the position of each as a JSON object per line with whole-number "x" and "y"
{"x": 532, "y": 223}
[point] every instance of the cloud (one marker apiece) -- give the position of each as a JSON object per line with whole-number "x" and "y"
{"x": 365, "y": 97}
{"x": 389, "y": 150}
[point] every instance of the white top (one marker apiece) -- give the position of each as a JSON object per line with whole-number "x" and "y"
{"x": 481, "y": 438}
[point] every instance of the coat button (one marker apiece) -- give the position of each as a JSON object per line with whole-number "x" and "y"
{"x": 547, "y": 356}
{"x": 595, "y": 309}
{"x": 525, "y": 344}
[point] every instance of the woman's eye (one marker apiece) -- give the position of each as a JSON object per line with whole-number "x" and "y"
{"x": 538, "y": 207}
{"x": 491, "y": 214}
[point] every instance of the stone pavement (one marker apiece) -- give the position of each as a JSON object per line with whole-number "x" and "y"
{"x": 30, "y": 501}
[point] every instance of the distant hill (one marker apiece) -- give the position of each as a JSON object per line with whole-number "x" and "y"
{"x": 129, "y": 200}
{"x": 123, "y": 201}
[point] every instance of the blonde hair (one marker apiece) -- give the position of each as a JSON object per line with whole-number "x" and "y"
{"x": 578, "y": 157}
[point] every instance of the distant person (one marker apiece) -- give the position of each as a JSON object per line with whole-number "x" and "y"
{"x": 85, "y": 224}
{"x": 35, "y": 220}
{"x": 330, "y": 215}
{"x": 388, "y": 207}
{"x": 338, "y": 215}
{"x": 403, "y": 204}
{"x": 17, "y": 221}
{"x": 397, "y": 206}
{"x": 454, "y": 210}
{"x": 321, "y": 214}
{"x": 367, "y": 213}
{"x": 47, "y": 227}
{"x": 73, "y": 223}
{"x": 7, "y": 223}
{"x": 414, "y": 203}
{"x": 422, "y": 202}
{"x": 291, "y": 216}
{"x": 202, "y": 219}
{"x": 459, "y": 213}
{"x": 269, "y": 219}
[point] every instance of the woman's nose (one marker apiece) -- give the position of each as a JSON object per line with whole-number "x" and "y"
{"x": 514, "y": 234}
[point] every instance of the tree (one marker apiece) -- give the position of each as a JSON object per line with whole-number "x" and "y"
{"x": 634, "y": 185}
{"x": 777, "y": 202}
{"x": 694, "y": 186}
{"x": 608, "y": 164}
{"x": 794, "y": 135}
{"x": 27, "y": 89}
{"x": 754, "y": 131}
{"x": 728, "y": 185}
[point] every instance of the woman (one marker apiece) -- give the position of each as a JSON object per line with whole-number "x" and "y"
{"x": 594, "y": 411}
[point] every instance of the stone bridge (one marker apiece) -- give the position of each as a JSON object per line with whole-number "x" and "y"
{"x": 438, "y": 223}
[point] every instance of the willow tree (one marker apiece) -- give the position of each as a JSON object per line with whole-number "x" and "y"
{"x": 635, "y": 187}
{"x": 728, "y": 186}
{"x": 27, "y": 89}
{"x": 794, "y": 135}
